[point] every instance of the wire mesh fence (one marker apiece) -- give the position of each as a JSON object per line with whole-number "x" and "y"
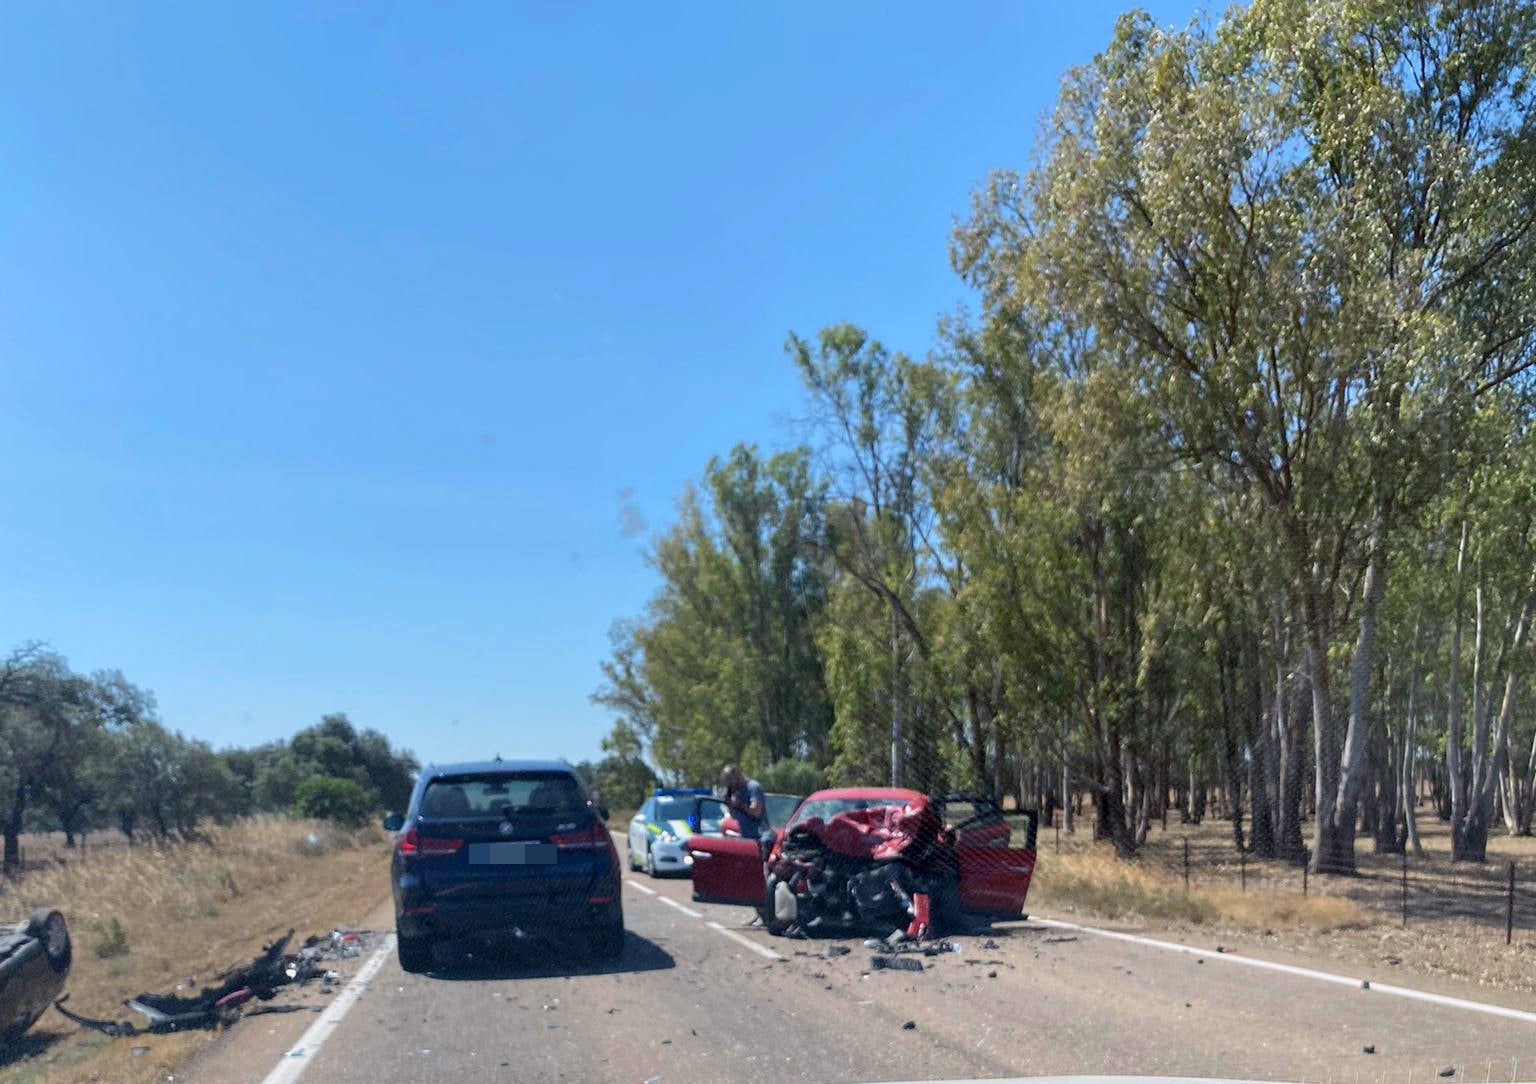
{"x": 1498, "y": 896}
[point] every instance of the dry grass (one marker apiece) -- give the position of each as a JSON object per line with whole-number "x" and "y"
{"x": 162, "y": 917}
{"x": 1094, "y": 880}
{"x": 1456, "y": 912}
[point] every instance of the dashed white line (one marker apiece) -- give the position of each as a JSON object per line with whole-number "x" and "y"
{"x": 745, "y": 942}
{"x": 1303, "y": 972}
{"x": 689, "y": 911}
{"x": 302, "y": 1054}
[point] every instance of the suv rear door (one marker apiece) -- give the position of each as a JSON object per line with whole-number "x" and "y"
{"x": 726, "y": 869}
{"x": 996, "y": 850}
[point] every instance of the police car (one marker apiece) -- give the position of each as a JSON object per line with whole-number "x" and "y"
{"x": 657, "y": 832}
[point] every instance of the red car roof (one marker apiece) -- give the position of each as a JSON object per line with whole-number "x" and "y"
{"x": 899, "y": 793}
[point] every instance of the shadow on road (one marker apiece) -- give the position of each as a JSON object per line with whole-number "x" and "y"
{"x": 472, "y": 962}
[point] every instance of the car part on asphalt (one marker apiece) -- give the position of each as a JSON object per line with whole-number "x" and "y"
{"x": 35, "y": 957}
{"x": 221, "y": 1005}
{"x": 894, "y": 963}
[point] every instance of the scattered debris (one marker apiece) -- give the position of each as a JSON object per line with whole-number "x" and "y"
{"x": 894, "y": 963}
{"x": 1365, "y": 984}
{"x": 989, "y": 944}
{"x": 1058, "y": 940}
{"x": 1449, "y": 1070}
{"x": 1369, "y": 1050}
{"x": 910, "y": 1025}
{"x": 139, "y": 1051}
{"x": 1221, "y": 948}
{"x": 221, "y": 1005}
{"x": 991, "y": 974}
{"x": 648, "y": 1080}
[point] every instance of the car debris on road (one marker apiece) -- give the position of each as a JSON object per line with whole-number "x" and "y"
{"x": 222, "y": 1005}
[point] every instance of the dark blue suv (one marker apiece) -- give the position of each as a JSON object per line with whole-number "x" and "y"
{"x": 503, "y": 847}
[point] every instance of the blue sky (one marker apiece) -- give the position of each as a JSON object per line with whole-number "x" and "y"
{"x": 335, "y": 336}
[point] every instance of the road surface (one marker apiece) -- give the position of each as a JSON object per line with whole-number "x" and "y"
{"x": 690, "y": 1001}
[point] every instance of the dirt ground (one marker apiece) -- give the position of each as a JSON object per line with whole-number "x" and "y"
{"x": 1450, "y": 922}
{"x": 168, "y": 918}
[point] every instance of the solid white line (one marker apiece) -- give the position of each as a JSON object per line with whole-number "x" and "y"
{"x": 639, "y": 886}
{"x": 1303, "y": 972}
{"x": 296, "y": 1060}
{"x": 745, "y": 941}
{"x": 689, "y": 911}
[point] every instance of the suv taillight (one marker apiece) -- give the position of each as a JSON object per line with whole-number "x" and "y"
{"x": 415, "y": 845}
{"x": 589, "y": 838}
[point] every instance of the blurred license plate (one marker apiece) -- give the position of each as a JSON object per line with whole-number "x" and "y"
{"x": 512, "y": 854}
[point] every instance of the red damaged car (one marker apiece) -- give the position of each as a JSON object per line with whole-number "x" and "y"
{"x": 861, "y": 858}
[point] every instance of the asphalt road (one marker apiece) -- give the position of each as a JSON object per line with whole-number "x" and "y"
{"x": 690, "y": 1002}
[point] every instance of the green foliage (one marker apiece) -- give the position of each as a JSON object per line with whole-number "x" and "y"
{"x": 330, "y": 798}
{"x": 1184, "y": 504}
{"x": 622, "y": 779}
{"x": 791, "y": 776}
{"x": 725, "y": 657}
{"x": 111, "y": 939}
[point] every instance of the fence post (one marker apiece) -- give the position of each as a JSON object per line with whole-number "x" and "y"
{"x": 1186, "y": 865}
{"x": 1509, "y": 909}
{"x": 1058, "y": 837}
{"x": 1242, "y": 860}
{"x": 1306, "y": 867}
{"x": 1405, "y": 887}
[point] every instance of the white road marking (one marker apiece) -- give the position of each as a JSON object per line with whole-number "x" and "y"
{"x": 746, "y": 942}
{"x": 640, "y": 887}
{"x": 1303, "y": 972}
{"x": 689, "y": 911}
{"x": 296, "y": 1060}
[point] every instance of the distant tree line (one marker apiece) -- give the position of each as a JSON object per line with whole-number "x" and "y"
{"x": 1225, "y": 498}
{"x": 86, "y": 752}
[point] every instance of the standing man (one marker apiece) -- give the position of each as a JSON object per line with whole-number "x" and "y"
{"x": 744, "y": 798}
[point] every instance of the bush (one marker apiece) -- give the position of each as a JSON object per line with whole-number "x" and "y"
{"x": 791, "y": 776}
{"x": 112, "y": 939}
{"x": 341, "y": 800}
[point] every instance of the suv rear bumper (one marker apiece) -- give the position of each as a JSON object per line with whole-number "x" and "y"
{"x": 464, "y": 918}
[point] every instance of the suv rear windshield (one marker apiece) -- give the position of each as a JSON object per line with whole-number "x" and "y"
{"x": 490, "y": 794}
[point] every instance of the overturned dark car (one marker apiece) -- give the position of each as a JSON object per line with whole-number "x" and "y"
{"x": 873, "y": 859}
{"x": 34, "y": 962}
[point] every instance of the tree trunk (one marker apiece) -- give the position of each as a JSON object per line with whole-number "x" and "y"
{"x": 13, "y": 821}
{"x": 1330, "y": 854}
{"x": 1487, "y": 770}
{"x": 896, "y": 757}
{"x": 1410, "y": 753}
{"x": 1454, "y": 726}
{"x": 1292, "y": 720}
{"x": 1338, "y": 805}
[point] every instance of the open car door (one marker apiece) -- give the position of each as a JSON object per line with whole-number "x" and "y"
{"x": 726, "y": 868}
{"x": 996, "y": 850}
